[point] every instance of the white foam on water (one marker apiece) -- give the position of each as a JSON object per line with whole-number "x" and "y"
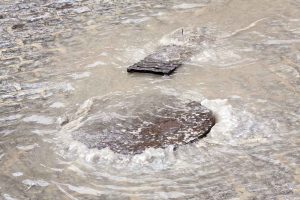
{"x": 154, "y": 159}
{"x": 8, "y": 197}
{"x": 188, "y": 6}
{"x": 82, "y": 10}
{"x": 96, "y": 64}
{"x": 28, "y": 147}
{"x": 280, "y": 42}
{"x": 135, "y": 21}
{"x": 11, "y": 117}
{"x": 246, "y": 28}
{"x": 195, "y": 170}
{"x": 84, "y": 190}
{"x": 78, "y": 189}
{"x": 210, "y": 55}
{"x": 134, "y": 55}
{"x": 212, "y": 47}
{"x": 80, "y": 75}
{"x": 57, "y": 105}
{"x": 168, "y": 195}
{"x": 219, "y": 56}
{"x": 76, "y": 170}
{"x": 17, "y": 174}
{"x": 176, "y": 37}
{"x": 31, "y": 183}
{"x": 2, "y": 155}
{"x": 65, "y": 87}
{"x": 43, "y": 132}
{"x": 157, "y": 14}
{"x": 102, "y": 54}
{"x": 39, "y": 119}
{"x": 6, "y": 132}
{"x": 226, "y": 121}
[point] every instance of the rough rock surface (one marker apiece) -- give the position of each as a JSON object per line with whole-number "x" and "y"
{"x": 163, "y": 61}
{"x": 145, "y": 124}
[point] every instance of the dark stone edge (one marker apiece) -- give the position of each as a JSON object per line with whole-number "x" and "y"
{"x": 151, "y": 71}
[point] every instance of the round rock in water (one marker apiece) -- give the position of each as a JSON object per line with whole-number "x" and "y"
{"x": 129, "y": 125}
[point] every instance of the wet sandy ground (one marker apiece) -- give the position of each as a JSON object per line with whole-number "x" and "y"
{"x": 56, "y": 55}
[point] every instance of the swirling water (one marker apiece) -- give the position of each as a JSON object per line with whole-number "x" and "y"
{"x": 246, "y": 70}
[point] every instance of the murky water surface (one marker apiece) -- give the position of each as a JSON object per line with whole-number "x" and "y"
{"x": 58, "y": 56}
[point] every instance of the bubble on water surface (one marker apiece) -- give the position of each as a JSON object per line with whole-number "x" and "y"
{"x": 39, "y": 119}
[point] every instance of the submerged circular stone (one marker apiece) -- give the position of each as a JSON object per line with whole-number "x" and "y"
{"x": 129, "y": 125}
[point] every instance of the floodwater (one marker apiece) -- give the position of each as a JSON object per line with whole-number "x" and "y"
{"x": 246, "y": 70}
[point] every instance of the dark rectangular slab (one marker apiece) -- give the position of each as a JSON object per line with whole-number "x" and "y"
{"x": 155, "y": 67}
{"x": 164, "y": 61}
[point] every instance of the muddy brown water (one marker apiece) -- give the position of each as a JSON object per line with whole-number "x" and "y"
{"x": 69, "y": 53}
